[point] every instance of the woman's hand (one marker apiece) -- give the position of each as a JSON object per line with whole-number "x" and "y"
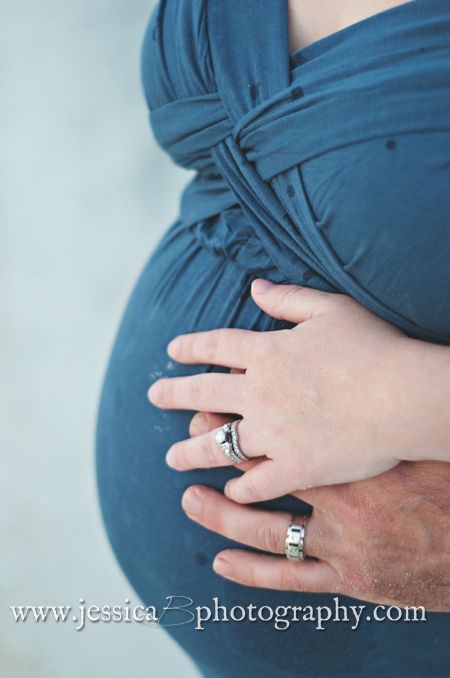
{"x": 340, "y": 397}
{"x": 385, "y": 540}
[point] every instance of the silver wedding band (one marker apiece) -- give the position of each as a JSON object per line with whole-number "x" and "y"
{"x": 228, "y": 441}
{"x": 294, "y": 545}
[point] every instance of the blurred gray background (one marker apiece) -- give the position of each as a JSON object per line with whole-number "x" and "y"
{"x": 85, "y": 194}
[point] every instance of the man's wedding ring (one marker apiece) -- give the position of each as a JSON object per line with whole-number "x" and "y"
{"x": 295, "y": 541}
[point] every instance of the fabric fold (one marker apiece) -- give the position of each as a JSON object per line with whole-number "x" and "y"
{"x": 256, "y": 122}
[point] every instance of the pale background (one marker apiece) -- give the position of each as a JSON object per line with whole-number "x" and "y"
{"x": 84, "y": 195}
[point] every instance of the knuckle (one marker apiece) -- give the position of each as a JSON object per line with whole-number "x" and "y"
{"x": 250, "y": 575}
{"x": 360, "y": 511}
{"x": 195, "y": 391}
{"x": 267, "y": 535}
{"x": 290, "y": 292}
{"x": 257, "y": 391}
{"x": 264, "y": 345}
{"x": 213, "y": 341}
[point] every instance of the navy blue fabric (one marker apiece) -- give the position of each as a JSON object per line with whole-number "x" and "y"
{"x": 329, "y": 167}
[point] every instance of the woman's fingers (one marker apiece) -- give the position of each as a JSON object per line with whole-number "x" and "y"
{"x": 202, "y": 422}
{"x": 229, "y": 347}
{"x": 266, "y": 481}
{"x": 328, "y": 497}
{"x": 213, "y": 391}
{"x": 203, "y": 451}
{"x": 291, "y": 302}
{"x": 265, "y": 530}
{"x": 270, "y": 572}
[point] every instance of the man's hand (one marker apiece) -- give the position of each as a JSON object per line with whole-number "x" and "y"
{"x": 385, "y": 540}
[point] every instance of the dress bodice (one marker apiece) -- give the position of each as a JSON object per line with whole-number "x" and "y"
{"x": 334, "y": 159}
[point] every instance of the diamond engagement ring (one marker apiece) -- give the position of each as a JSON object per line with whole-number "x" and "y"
{"x": 227, "y": 439}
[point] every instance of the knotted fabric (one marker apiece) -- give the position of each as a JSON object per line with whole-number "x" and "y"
{"x": 333, "y": 161}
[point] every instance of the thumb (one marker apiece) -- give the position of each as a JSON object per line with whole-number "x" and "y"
{"x": 290, "y": 302}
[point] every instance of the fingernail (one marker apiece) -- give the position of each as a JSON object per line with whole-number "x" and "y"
{"x": 199, "y": 424}
{"x": 223, "y": 566}
{"x": 172, "y": 457}
{"x": 191, "y": 502}
{"x": 173, "y": 346}
{"x": 261, "y": 286}
{"x": 155, "y": 392}
{"x": 227, "y": 490}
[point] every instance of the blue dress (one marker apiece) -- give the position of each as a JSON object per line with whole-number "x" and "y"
{"x": 327, "y": 167}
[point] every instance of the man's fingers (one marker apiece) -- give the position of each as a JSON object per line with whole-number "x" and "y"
{"x": 261, "y": 529}
{"x": 290, "y": 302}
{"x": 230, "y": 347}
{"x": 270, "y": 572}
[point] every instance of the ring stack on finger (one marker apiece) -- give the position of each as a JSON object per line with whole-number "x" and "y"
{"x": 227, "y": 439}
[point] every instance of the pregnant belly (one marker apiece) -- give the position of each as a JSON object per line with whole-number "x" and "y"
{"x": 187, "y": 287}
{"x": 184, "y": 287}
